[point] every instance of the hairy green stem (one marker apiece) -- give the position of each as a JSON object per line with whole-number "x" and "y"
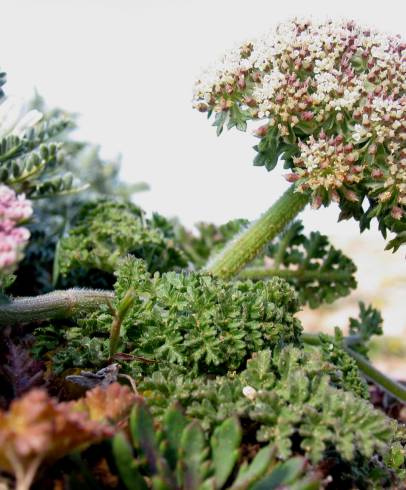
{"x": 249, "y": 244}
{"x": 303, "y": 275}
{"x": 58, "y": 304}
{"x": 395, "y": 389}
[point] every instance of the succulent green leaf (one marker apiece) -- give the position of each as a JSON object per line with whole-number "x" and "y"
{"x": 143, "y": 434}
{"x": 282, "y": 475}
{"x": 225, "y": 443}
{"x": 126, "y": 464}
{"x": 174, "y": 423}
{"x": 249, "y": 474}
{"x": 192, "y": 454}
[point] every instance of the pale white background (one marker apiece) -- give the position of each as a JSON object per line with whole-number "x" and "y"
{"x": 129, "y": 67}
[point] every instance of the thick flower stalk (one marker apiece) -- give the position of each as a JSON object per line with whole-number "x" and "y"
{"x": 332, "y": 96}
{"x": 14, "y": 210}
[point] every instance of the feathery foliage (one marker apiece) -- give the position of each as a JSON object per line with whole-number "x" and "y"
{"x": 368, "y": 323}
{"x": 285, "y": 395}
{"x": 105, "y": 231}
{"x": 319, "y": 272}
{"x": 197, "y": 321}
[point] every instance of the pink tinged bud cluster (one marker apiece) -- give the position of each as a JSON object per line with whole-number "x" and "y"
{"x": 13, "y": 238}
{"x": 309, "y": 78}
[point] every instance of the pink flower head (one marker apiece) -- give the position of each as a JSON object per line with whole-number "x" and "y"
{"x": 14, "y": 209}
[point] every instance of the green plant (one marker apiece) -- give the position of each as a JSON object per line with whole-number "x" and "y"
{"x": 317, "y": 270}
{"x": 178, "y": 455}
{"x": 230, "y": 392}
{"x": 106, "y": 231}
{"x": 288, "y": 395}
{"x": 333, "y": 114}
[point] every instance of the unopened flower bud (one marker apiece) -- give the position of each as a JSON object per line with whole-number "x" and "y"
{"x": 338, "y": 139}
{"x": 397, "y": 213}
{"x": 322, "y": 135}
{"x": 350, "y": 195}
{"x": 317, "y": 201}
{"x": 201, "y": 107}
{"x": 377, "y": 173}
{"x": 291, "y": 177}
{"x": 307, "y": 115}
{"x": 250, "y": 101}
{"x": 261, "y": 131}
{"x": 335, "y": 196}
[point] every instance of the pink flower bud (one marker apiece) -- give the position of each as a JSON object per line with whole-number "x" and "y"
{"x": 261, "y": 131}
{"x": 339, "y": 139}
{"x": 396, "y": 213}
{"x": 317, "y": 201}
{"x": 250, "y": 101}
{"x": 335, "y": 196}
{"x": 291, "y": 177}
{"x": 350, "y": 195}
{"x": 307, "y": 115}
{"x": 377, "y": 173}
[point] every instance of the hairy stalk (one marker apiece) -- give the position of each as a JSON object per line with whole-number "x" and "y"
{"x": 304, "y": 275}
{"x": 58, "y": 304}
{"x": 249, "y": 244}
{"x": 368, "y": 370}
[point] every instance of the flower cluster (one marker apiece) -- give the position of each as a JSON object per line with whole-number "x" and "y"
{"x": 333, "y": 95}
{"x": 327, "y": 163}
{"x": 14, "y": 209}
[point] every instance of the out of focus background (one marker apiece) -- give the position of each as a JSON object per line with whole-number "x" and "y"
{"x": 128, "y": 67}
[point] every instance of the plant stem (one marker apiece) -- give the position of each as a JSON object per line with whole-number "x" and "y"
{"x": 392, "y": 387}
{"x": 389, "y": 385}
{"x": 58, "y": 304}
{"x": 249, "y": 244}
{"x": 301, "y": 275}
{"x": 314, "y": 339}
{"x": 119, "y": 315}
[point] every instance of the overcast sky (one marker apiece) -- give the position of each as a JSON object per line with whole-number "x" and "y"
{"x": 128, "y": 66}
